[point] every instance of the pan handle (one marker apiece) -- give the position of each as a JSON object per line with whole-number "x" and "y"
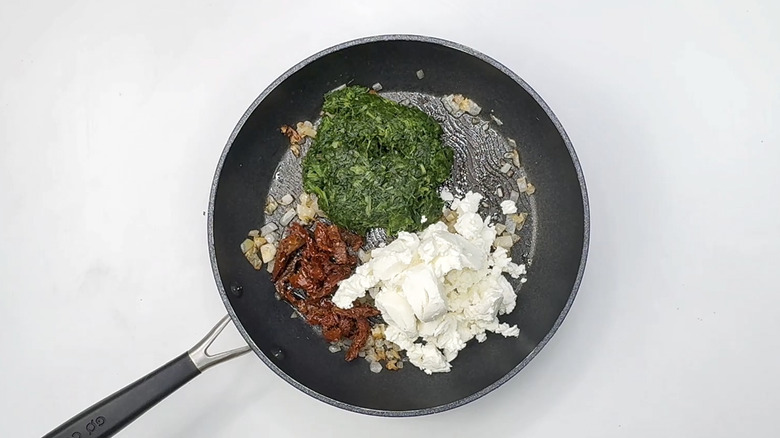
{"x": 110, "y": 415}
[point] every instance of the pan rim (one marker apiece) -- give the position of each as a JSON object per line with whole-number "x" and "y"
{"x": 514, "y": 371}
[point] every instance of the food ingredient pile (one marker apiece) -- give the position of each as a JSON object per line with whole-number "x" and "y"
{"x": 439, "y": 288}
{"x": 314, "y": 263}
{"x": 375, "y": 163}
{"x": 438, "y": 282}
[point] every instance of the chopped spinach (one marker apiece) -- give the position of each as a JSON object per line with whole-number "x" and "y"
{"x": 376, "y": 163}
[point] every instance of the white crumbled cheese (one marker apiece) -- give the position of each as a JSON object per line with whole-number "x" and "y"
{"x": 423, "y": 219}
{"x": 397, "y": 312}
{"x": 508, "y": 207}
{"x": 446, "y": 195}
{"x": 437, "y": 289}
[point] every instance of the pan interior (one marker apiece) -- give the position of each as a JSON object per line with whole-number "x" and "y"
{"x": 555, "y": 237}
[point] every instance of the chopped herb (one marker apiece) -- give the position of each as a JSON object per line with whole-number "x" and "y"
{"x": 375, "y": 163}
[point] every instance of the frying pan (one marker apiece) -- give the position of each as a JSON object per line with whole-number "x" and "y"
{"x": 560, "y": 229}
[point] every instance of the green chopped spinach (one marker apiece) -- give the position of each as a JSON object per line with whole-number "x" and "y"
{"x": 376, "y": 163}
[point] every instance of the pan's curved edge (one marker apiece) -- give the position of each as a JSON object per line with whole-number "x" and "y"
{"x": 534, "y": 352}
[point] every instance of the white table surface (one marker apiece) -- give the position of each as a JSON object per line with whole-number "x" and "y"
{"x": 113, "y": 116}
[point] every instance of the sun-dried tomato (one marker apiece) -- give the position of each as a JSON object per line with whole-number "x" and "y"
{"x": 357, "y": 312}
{"x": 314, "y": 262}
{"x": 329, "y": 239}
{"x": 359, "y": 338}
{"x": 346, "y": 325}
{"x": 354, "y": 241}
{"x": 332, "y": 334}
{"x": 297, "y": 237}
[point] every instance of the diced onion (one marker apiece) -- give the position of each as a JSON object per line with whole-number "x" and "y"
{"x": 247, "y": 245}
{"x": 287, "y": 199}
{"x": 519, "y": 218}
{"x": 306, "y": 129}
{"x": 522, "y": 184}
{"x": 270, "y": 205}
{"x": 516, "y": 158}
{"x": 511, "y": 226}
{"x": 503, "y": 241}
{"x": 287, "y": 217}
{"x": 254, "y": 259}
{"x": 268, "y": 252}
{"x": 259, "y": 241}
{"x": 268, "y": 229}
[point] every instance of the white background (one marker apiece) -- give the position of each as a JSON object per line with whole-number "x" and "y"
{"x": 113, "y": 116}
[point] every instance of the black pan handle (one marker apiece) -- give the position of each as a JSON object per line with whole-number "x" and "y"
{"x": 110, "y": 415}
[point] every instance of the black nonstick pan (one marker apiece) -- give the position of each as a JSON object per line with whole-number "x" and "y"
{"x": 290, "y": 347}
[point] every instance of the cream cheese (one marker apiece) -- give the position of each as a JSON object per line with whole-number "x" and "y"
{"x": 437, "y": 289}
